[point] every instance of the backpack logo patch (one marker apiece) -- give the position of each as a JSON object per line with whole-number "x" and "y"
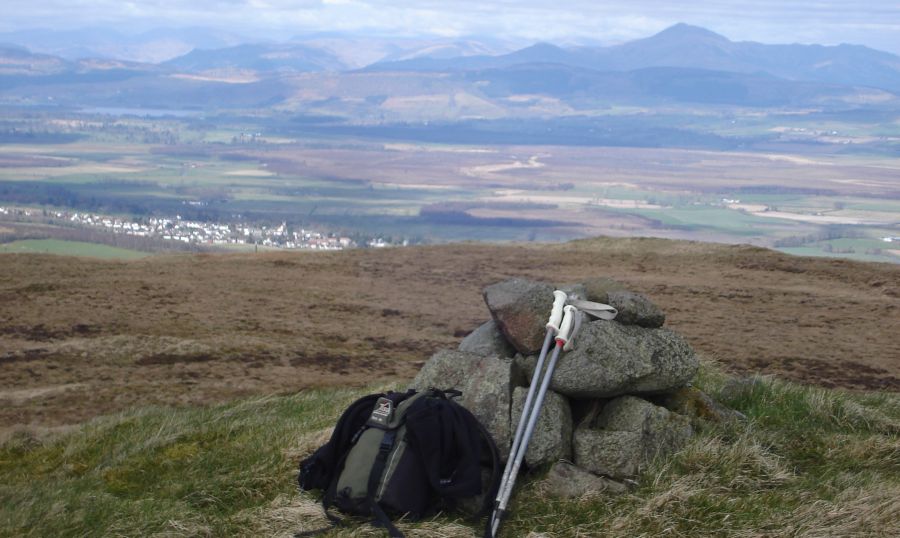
{"x": 381, "y": 415}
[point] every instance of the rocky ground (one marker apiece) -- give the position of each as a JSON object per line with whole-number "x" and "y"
{"x": 80, "y": 338}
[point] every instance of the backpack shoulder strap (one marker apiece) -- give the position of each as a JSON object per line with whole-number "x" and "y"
{"x": 317, "y": 471}
{"x": 384, "y": 450}
{"x": 320, "y": 470}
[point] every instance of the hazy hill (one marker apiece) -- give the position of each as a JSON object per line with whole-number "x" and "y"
{"x": 693, "y": 47}
{"x": 581, "y": 87}
{"x": 451, "y": 81}
{"x": 537, "y": 53}
{"x": 447, "y": 49}
{"x": 17, "y": 60}
{"x": 85, "y": 81}
{"x": 260, "y": 75}
{"x": 152, "y": 46}
{"x": 259, "y": 58}
{"x": 683, "y": 45}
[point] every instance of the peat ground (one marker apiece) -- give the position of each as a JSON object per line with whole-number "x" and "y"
{"x": 83, "y": 337}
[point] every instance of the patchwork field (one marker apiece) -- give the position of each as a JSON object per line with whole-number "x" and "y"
{"x": 430, "y": 192}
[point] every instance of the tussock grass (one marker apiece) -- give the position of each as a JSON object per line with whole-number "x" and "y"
{"x": 806, "y": 462}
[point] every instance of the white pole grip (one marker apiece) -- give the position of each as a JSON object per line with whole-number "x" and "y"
{"x": 565, "y": 328}
{"x": 556, "y": 314}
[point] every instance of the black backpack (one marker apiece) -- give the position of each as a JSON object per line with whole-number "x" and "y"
{"x": 402, "y": 453}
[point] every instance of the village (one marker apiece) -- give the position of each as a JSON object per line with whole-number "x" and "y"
{"x": 192, "y": 232}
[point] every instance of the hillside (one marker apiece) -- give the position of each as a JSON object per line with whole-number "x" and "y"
{"x": 263, "y": 58}
{"x": 83, "y": 337}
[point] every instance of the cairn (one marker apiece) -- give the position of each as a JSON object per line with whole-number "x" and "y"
{"x": 620, "y": 398}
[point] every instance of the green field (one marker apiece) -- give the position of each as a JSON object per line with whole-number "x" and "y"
{"x": 70, "y": 248}
{"x": 710, "y": 218}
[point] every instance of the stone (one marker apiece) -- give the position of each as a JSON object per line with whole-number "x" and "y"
{"x": 662, "y": 432}
{"x": 694, "y": 403}
{"x": 611, "y": 359}
{"x": 552, "y": 437}
{"x": 521, "y": 309}
{"x": 610, "y": 453}
{"x": 486, "y": 383}
{"x": 597, "y": 289}
{"x": 574, "y": 291}
{"x": 636, "y": 309}
{"x": 569, "y": 481}
{"x": 627, "y": 435}
{"x": 487, "y": 340}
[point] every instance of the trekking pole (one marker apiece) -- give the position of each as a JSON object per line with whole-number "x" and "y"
{"x": 562, "y": 338}
{"x": 556, "y": 314}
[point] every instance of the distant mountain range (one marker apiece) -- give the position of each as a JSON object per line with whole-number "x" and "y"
{"x": 378, "y": 79}
{"x": 161, "y": 45}
{"x": 259, "y": 58}
{"x": 150, "y": 47}
{"x": 693, "y": 47}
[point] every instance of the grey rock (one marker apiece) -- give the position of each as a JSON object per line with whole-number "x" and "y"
{"x": 574, "y": 291}
{"x": 627, "y": 414}
{"x": 552, "y": 436}
{"x": 486, "y": 383}
{"x": 611, "y": 359}
{"x": 570, "y": 481}
{"x": 663, "y": 432}
{"x": 521, "y": 309}
{"x": 597, "y": 289}
{"x": 635, "y": 309}
{"x": 627, "y": 435}
{"x": 487, "y": 340}
{"x": 610, "y": 453}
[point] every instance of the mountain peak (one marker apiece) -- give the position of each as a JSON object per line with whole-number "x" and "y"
{"x": 542, "y": 46}
{"x": 683, "y": 30}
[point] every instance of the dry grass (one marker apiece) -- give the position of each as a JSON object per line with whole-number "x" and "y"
{"x": 805, "y": 463}
{"x": 790, "y": 469}
{"x": 289, "y": 514}
{"x": 184, "y": 330}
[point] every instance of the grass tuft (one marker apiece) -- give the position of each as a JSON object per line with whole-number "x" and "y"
{"x": 805, "y": 462}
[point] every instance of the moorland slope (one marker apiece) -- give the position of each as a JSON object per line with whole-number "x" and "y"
{"x": 82, "y": 337}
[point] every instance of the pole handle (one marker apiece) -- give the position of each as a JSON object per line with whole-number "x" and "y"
{"x": 565, "y": 328}
{"x": 556, "y": 314}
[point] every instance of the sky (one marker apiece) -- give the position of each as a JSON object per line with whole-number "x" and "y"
{"x": 875, "y": 23}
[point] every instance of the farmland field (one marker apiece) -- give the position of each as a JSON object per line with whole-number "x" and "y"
{"x": 792, "y": 198}
{"x": 69, "y": 248}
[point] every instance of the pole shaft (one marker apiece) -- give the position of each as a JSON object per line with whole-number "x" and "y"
{"x": 532, "y": 421}
{"x": 523, "y": 419}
